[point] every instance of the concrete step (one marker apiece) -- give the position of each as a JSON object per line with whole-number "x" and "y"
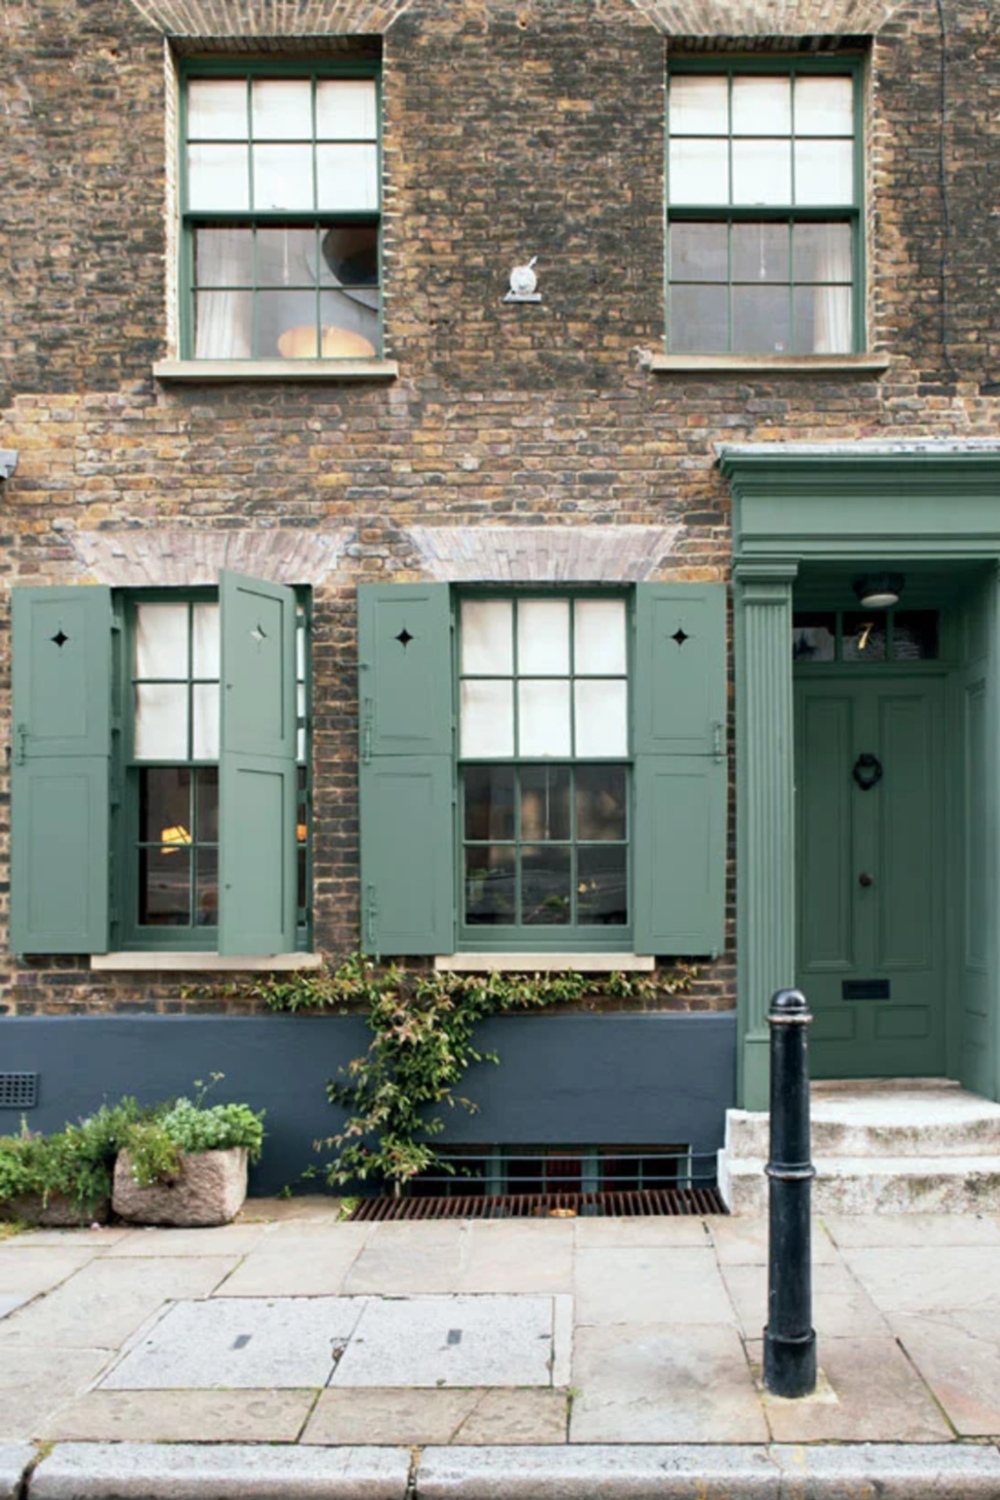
{"x": 866, "y": 1184}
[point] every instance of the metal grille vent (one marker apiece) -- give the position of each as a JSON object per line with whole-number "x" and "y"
{"x": 18, "y": 1090}
{"x": 643, "y": 1203}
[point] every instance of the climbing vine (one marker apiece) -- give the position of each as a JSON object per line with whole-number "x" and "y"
{"x": 422, "y": 1027}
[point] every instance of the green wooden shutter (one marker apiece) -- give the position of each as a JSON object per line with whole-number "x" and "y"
{"x": 60, "y": 762}
{"x": 257, "y": 768}
{"x": 681, "y": 779}
{"x": 406, "y": 774}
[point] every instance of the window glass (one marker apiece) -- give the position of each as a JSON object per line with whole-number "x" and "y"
{"x": 762, "y": 105}
{"x": 217, "y": 109}
{"x": 487, "y": 718}
{"x": 487, "y": 636}
{"x": 345, "y": 109}
{"x": 601, "y": 716}
{"x": 824, "y": 106}
{"x": 282, "y": 109}
{"x": 543, "y": 637}
{"x": 699, "y": 104}
{"x": 599, "y": 636}
{"x": 544, "y": 717}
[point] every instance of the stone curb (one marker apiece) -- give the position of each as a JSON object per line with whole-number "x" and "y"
{"x": 188, "y": 1471}
{"x": 14, "y": 1459}
{"x": 219, "y": 1471}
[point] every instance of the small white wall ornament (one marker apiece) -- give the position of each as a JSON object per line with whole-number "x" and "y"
{"x": 523, "y": 282}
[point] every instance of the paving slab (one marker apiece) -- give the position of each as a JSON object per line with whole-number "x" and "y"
{"x": 227, "y": 1239}
{"x": 312, "y": 1260}
{"x": 958, "y": 1355}
{"x": 931, "y": 1278}
{"x": 512, "y": 1257}
{"x": 450, "y": 1341}
{"x": 651, "y": 1284}
{"x": 240, "y": 1343}
{"x": 422, "y": 1417}
{"x": 663, "y": 1383}
{"x": 36, "y": 1382}
{"x": 42, "y": 1270}
{"x": 882, "y": 1230}
{"x": 841, "y": 1306}
{"x": 14, "y": 1459}
{"x": 888, "y": 1471}
{"x": 106, "y": 1301}
{"x": 94, "y": 1237}
{"x": 11, "y": 1301}
{"x": 181, "y": 1417}
{"x": 634, "y": 1234}
{"x": 208, "y": 1471}
{"x": 869, "y": 1392}
{"x": 427, "y": 1261}
{"x": 744, "y": 1241}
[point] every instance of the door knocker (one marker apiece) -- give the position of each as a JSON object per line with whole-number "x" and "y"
{"x": 867, "y": 771}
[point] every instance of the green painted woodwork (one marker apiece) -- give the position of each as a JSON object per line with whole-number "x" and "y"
{"x": 680, "y": 773}
{"x": 893, "y": 929}
{"x": 257, "y": 768}
{"x": 61, "y": 718}
{"x": 407, "y": 772}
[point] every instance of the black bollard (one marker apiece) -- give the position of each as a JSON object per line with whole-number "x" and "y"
{"x": 789, "y": 1338}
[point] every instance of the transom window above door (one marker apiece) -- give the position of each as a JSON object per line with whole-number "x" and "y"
{"x": 280, "y": 208}
{"x": 764, "y": 192}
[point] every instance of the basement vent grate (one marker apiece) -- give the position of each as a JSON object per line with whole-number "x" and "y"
{"x": 18, "y": 1090}
{"x": 642, "y": 1203}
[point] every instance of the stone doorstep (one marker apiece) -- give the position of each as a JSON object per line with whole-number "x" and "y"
{"x": 867, "y": 1184}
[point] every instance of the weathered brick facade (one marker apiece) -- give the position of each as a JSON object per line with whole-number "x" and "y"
{"x": 512, "y": 128}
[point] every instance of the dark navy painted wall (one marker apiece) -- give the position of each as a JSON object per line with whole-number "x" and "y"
{"x": 616, "y": 1080}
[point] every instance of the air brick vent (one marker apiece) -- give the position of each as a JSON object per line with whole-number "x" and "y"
{"x": 18, "y": 1090}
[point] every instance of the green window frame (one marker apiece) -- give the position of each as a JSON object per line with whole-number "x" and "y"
{"x": 280, "y": 198}
{"x": 765, "y": 173}
{"x": 166, "y": 828}
{"x": 544, "y": 770}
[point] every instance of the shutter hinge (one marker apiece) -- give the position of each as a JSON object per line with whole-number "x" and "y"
{"x": 370, "y": 918}
{"x": 367, "y": 714}
{"x": 20, "y": 744}
{"x": 718, "y": 750}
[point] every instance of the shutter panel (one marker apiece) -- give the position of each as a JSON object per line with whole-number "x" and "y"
{"x": 257, "y": 768}
{"x": 60, "y": 768}
{"x": 406, "y": 774}
{"x": 681, "y": 773}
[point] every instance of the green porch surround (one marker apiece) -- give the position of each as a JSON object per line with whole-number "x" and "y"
{"x": 856, "y": 503}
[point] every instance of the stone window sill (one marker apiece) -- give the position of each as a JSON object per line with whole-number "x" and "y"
{"x": 769, "y": 364}
{"x": 532, "y": 963}
{"x": 204, "y": 963}
{"x": 205, "y": 370}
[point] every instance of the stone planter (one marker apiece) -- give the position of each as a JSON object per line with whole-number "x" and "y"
{"x": 57, "y": 1212}
{"x": 209, "y": 1189}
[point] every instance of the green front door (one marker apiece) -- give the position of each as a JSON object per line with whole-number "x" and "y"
{"x": 869, "y": 760}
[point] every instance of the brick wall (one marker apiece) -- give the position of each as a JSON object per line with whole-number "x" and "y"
{"x": 511, "y": 130}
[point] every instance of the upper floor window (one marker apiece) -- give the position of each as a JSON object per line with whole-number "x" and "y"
{"x": 280, "y": 210}
{"x": 764, "y": 193}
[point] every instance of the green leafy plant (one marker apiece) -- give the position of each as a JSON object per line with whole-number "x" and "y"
{"x": 76, "y": 1162}
{"x": 157, "y": 1144}
{"x": 422, "y": 1045}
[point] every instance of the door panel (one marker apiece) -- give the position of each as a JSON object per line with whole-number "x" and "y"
{"x": 881, "y": 936}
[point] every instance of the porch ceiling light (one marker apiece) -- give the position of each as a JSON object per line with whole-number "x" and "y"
{"x": 879, "y": 590}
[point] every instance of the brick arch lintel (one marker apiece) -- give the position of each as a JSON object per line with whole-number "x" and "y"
{"x": 729, "y": 19}
{"x": 543, "y": 554}
{"x": 189, "y": 559}
{"x": 210, "y": 19}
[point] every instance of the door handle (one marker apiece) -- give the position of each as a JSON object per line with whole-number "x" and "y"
{"x": 865, "y": 879}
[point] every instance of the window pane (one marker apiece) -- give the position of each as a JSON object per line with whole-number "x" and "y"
{"x": 824, "y": 172}
{"x": 488, "y": 636}
{"x": 350, "y": 324}
{"x": 489, "y": 802}
{"x": 824, "y": 106}
{"x": 207, "y": 804}
{"x": 223, "y": 257}
{"x": 823, "y": 320}
{"x": 205, "y": 739}
{"x": 543, "y": 637}
{"x": 223, "y": 326}
{"x": 283, "y": 177}
{"x": 205, "y": 640}
{"x": 217, "y": 109}
{"x": 699, "y": 319}
{"x": 345, "y": 109}
{"x": 490, "y": 886}
{"x": 760, "y": 252}
{"x": 864, "y": 637}
{"x": 762, "y": 105}
{"x": 350, "y": 255}
{"x": 286, "y": 324}
{"x": 165, "y": 887}
{"x": 545, "y": 803}
{"x": 165, "y": 806}
{"x": 761, "y": 320}
{"x": 762, "y": 172}
{"x": 161, "y": 730}
{"x": 915, "y": 635}
{"x": 699, "y": 252}
{"x": 487, "y": 718}
{"x": 218, "y": 177}
{"x": 543, "y": 725}
{"x": 822, "y": 252}
{"x": 545, "y": 886}
{"x": 601, "y": 716}
{"x": 699, "y": 171}
{"x": 282, "y": 109}
{"x": 347, "y": 178}
{"x": 599, "y": 638}
{"x": 601, "y": 802}
{"x": 699, "y": 104}
{"x": 300, "y": 714}
{"x": 814, "y": 637}
{"x": 602, "y": 887}
{"x": 286, "y": 257}
{"x": 206, "y": 894}
{"x": 161, "y": 641}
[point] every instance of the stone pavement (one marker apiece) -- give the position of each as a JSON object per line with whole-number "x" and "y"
{"x": 291, "y": 1353}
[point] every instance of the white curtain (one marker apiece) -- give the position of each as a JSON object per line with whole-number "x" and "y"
{"x": 832, "y": 333}
{"x": 224, "y": 319}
